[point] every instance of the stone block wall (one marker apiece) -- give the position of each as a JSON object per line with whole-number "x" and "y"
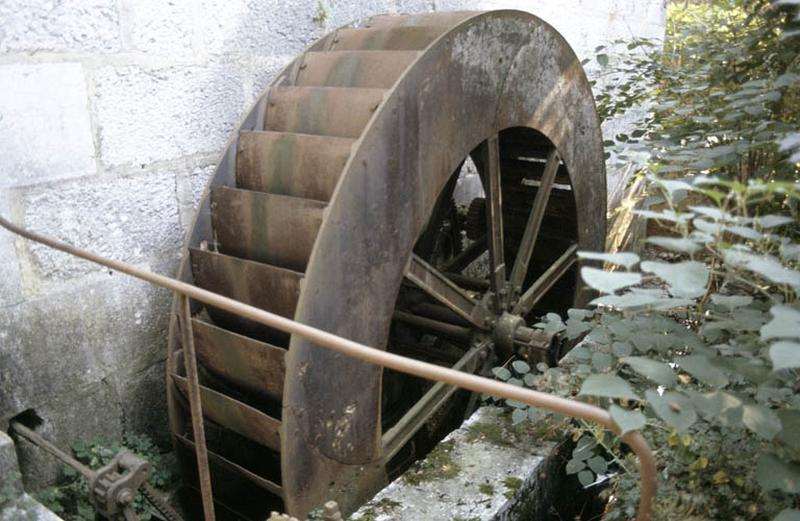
{"x": 112, "y": 116}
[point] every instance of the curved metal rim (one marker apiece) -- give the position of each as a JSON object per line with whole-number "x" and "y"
{"x": 318, "y": 267}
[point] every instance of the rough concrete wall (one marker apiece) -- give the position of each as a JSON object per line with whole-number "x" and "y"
{"x": 112, "y": 115}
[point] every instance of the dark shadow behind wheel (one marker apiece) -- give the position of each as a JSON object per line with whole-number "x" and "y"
{"x": 322, "y": 209}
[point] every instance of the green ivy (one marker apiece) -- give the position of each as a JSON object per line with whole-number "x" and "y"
{"x": 71, "y": 499}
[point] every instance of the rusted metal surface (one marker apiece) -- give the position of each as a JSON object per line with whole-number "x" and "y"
{"x": 192, "y": 391}
{"x": 490, "y": 160}
{"x": 525, "y": 252}
{"x": 257, "y": 367}
{"x": 537, "y": 290}
{"x": 236, "y": 416}
{"x": 261, "y": 285}
{"x": 411, "y": 38}
{"x": 442, "y": 289}
{"x": 328, "y": 111}
{"x": 353, "y": 69}
{"x": 299, "y": 165}
{"x": 443, "y": 20}
{"x": 379, "y": 357}
{"x": 227, "y": 466}
{"x": 272, "y": 229}
{"x": 395, "y": 438}
{"x": 453, "y": 98}
{"x": 114, "y": 486}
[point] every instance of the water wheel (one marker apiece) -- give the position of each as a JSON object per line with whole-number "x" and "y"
{"x": 334, "y": 204}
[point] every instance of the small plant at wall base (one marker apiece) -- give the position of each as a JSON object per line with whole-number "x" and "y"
{"x": 71, "y": 498}
{"x": 698, "y": 343}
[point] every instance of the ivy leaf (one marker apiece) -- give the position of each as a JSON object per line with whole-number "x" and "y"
{"x": 681, "y": 244}
{"x": 658, "y": 372}
{"x": 586, "y": 477}
{"x": 784, "y": 355}
{"x": 627, "y": 420}
{"x": 518, "y": 416}
{"x": 581, "y": 353}
{"x": 575, "y": 465}
{"x": 701, "y": 368}
{"x": 576, "y": 328}
{"x": 607, "y": 386}
{"x": 501, "y": 373}
{"x": 765, "y": 266}
{"x": 584, "y": 448}
{"x": 520, "y": 366}
{"x": 642, "y": 299}
{"x": 773, "y": 473}
{"x": 674, "y": 408}
{"x": 720, "y": 406}
{"x": 665, "y": 215}
{"x": 788, "y": 514}
{"x": 551, "y": 323}
{"x": 707, "y": 227}
{"x": 609, "y": 282}
{"x": 785, "y": 323}
{"x": 686, "y": 279}
{"x": 602, "y": 361}
{"x": 602, "y": 59}
{"x": 598, "y": 464}
{"x": 731, "y": 302}
{"x": 790, "y": 420}
{"x": 671, "y": 186}
{"x": 761, "y": 420}
{"x": 628, "y": 260}
{"x": 773, "y": 221}
{"x": 622, "y": 349}
{"x": 743, "y": 232}
{"x": 712, "y": 213}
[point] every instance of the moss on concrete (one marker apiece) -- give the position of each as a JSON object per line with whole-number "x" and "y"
{"x": 382, "y": 506}
{"x": 438, "y": 465}
{"x": 512, "y": 485}
{"x": 486, "y": 489}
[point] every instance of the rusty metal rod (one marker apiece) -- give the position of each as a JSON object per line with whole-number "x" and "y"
{"x": 479, "y": 384}
{"x": 451, "y": 330}
{"x": 196, "y": 408}
{"x": 40, "y": 441}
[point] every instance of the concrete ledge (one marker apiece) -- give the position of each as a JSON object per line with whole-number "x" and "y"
{"x": 486, "y": 470}
{"x": 15, "y": 504}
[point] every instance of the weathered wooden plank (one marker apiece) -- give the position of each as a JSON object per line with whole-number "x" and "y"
{"x": 256, "y": 366}
{"x": 218, "y": 463}
{"x": 327, "y": 111}
{"x": 408, "y": 38}
{"x": 236, "y": 416}
{"x": 273, "y": 229}
{"x": 361, "y": 69}
{"x": 299, "y": 165}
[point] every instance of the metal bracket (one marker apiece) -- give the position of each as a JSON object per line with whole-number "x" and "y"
{"x": 114, "y": 487}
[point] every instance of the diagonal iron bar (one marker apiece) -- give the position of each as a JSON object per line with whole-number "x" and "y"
{"x": 471, "y": 382}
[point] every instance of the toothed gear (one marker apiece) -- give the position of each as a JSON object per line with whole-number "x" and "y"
{"x": 475, "y": 222}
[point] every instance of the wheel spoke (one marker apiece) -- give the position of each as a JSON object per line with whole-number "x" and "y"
{"x": 525, "y": 252}
{"x": 546, "y": 281}
{"x": 395, "y": 438}
{"x": 465, "y": 258}
{"x": 494, "y": 218}
{"x": 434, "y": 283}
